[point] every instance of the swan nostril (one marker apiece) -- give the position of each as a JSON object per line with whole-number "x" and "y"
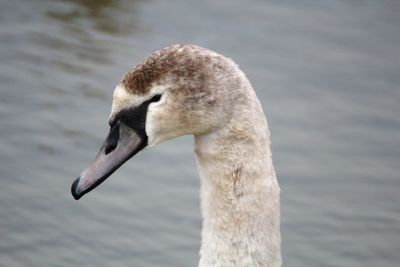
{"x": 112, "y": 139}
{"x": 110, "y": 147}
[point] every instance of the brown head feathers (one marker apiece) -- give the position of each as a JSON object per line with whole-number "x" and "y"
{"x": 176, "y": 62}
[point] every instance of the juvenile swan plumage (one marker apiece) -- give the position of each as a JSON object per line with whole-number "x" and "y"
{"x": 186, "y": 89}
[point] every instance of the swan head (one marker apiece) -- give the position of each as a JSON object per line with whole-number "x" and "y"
{"x": 179, "y": 90}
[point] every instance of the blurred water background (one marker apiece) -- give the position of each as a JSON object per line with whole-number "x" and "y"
{"x": 327, "y": 74}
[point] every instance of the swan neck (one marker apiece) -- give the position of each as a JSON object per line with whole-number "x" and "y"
{"x": 239, "y": 194}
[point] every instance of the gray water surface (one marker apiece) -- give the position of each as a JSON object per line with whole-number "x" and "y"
{"x": 326, "y": 72}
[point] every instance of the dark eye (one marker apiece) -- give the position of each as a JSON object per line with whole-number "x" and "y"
{"x": 134, "y": 116}
{"x": 155, "y": 98}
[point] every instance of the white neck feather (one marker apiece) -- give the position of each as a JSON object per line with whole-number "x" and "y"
{"x": 239, "y": 191}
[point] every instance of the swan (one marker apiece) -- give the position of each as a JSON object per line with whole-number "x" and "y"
{"x": 186, "y": 89}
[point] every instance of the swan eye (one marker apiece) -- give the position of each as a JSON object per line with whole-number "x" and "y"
{"x": 155, "y": 98}
{"x": 135, "y": 117}
{"x": 142, "y": 107}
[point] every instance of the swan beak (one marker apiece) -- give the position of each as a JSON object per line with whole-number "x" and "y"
{"x": 120, "y": 145}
